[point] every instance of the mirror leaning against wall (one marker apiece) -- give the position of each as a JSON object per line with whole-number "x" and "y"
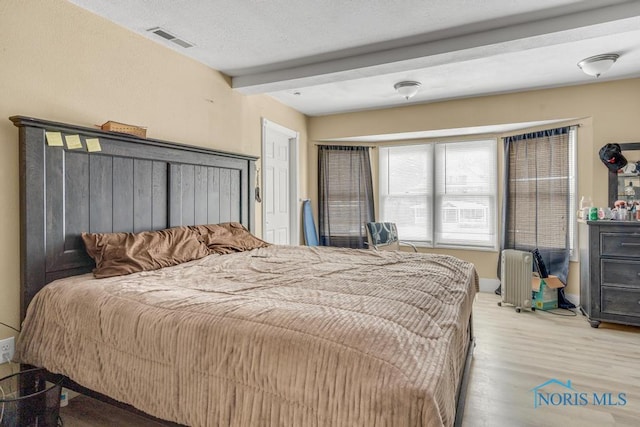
{"x": 625, "y": 184}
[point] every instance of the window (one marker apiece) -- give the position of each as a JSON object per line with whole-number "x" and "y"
{"x": 406, "y": 190}
{"x": 441, "y": 195}
{"x": 346, "y": 195}
{"x": 573, "y": 200}
{"x": 540, "y": 197}
{"x": 465, "y": 194}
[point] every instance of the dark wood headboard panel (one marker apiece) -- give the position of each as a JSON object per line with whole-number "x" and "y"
{"x": 133, "y": 184}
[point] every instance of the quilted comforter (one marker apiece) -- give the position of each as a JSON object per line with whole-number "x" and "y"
{"x": 276, "y": 336}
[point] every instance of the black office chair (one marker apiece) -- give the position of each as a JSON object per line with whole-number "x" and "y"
{"x": 384, "y": 236}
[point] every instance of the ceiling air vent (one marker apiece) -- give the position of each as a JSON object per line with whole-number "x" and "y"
{"x": 168, "y": 36}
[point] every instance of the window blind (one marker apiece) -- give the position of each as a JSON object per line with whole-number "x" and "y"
{"x": 346, "y": 195}
{"x": 538, "y": 211}
{"x": 540, "y": 195}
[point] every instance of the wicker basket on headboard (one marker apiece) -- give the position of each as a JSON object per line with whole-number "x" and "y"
{"x": 112, "y": 126}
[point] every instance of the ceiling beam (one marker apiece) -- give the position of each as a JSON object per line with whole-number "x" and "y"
{"x": 447, "y": 47}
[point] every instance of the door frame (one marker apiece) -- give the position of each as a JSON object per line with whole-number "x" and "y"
{"x": 294, "y": 170}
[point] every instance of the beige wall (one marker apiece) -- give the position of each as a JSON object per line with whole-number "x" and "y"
{"x": 607, "y": 112}
{"x": 61, "y": 63}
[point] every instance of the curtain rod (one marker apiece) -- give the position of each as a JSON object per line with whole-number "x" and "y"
{"x": 349, "y": 144}
{"x": 346, "y": 145}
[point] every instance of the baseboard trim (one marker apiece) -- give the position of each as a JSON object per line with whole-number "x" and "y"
{"x": 488, "y": 285}
{"x": 574, "y": 298}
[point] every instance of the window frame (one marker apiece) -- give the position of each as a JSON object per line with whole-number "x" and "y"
{"x": 428, "y": 195}
{"x": 435, "y": 199}
{"x": 573, "y": 194}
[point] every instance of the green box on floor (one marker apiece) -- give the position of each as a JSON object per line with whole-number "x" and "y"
{"x": 545, "y": 292}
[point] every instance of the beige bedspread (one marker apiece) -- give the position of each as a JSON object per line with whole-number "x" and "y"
{"x": 278, "y": 336}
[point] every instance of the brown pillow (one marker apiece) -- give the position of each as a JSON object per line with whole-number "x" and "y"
{"x": 227, "y": 237}
{"x": 117, "y": 254}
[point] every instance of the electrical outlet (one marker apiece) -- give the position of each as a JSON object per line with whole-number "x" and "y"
{"x": 7, "y": 347}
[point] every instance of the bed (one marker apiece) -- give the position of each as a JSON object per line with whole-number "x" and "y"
{"x": 277, "y": 335}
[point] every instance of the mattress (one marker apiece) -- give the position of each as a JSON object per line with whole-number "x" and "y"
{"x": 283, "y": 335}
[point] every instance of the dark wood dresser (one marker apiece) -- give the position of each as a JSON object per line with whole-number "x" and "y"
{"x": 610, "y": 271}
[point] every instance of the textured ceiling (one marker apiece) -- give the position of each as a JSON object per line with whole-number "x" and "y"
{"x": 329, "y": 56}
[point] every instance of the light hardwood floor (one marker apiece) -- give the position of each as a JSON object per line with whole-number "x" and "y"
{"x": 515, "y": 352}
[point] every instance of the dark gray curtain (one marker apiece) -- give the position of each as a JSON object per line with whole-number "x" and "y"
{"x": 346, "y": 195}
{"x": 536, "y": 202}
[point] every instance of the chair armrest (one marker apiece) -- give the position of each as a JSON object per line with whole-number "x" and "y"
{"x": 410, "y": 244}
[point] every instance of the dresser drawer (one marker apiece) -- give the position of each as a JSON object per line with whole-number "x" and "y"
{"x": 620, "y": 272}
{"x": 620, "y": 244}
{"x": 621, "y": 301}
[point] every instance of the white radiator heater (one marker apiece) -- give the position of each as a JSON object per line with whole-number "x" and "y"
{"x": 515, "y": 275}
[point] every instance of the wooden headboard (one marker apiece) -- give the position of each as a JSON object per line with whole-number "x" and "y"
{"x": 132, "y": 184}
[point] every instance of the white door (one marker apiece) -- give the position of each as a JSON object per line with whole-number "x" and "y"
{"x": 280, "y": 184}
